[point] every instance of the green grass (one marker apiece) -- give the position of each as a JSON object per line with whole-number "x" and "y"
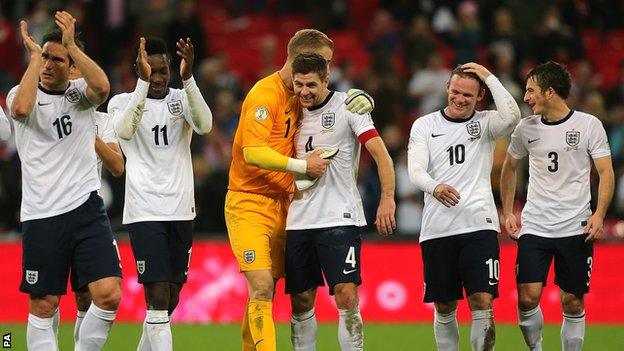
{"x": 382, "y": 337}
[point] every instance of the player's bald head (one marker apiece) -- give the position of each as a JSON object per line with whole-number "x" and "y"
{"x": 308, "y": 40}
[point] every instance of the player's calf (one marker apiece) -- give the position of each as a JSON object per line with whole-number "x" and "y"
{"x": 350, "y": 325}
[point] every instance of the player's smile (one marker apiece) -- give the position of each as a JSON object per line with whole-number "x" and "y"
{"x": 310, "y": 89}
{"x": 534, "y": 97}
{"x": 463, "y": 94}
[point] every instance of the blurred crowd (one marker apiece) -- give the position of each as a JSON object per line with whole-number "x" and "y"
{"x": 401, "y": 52}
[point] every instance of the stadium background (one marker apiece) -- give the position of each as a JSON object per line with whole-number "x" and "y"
{"x": 401, "y": 52}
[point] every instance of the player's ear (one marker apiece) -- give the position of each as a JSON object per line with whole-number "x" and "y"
{"x": 481, "y": 94}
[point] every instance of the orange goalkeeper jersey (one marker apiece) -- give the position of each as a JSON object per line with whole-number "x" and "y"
{"x": 268, "y": 117}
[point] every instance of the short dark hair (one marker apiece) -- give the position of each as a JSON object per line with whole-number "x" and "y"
{"x": 459, "y": 71}
{"x": 552, "y": 75}
{"x": 310, "y": 63}
{"x": 155, "y": 46}
{"x": 56, "y": 36}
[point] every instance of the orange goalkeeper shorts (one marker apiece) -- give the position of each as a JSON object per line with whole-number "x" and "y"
{"x": 256, "y": 226}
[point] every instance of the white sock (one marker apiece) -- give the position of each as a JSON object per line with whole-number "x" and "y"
{"x": 79, "y": 317}
{"x": 55, "y": 323}
{"x": 303, "y": 330}
{"x": 144, "y": 344}
{"x": 531, "y": 323}
{"x": 39, "y": 334}
{"x": 350, "y": 333}
{"x": 94, "y": 328}
{"x": 446, "y": 331}
{"x": 573, "y": 331}
{"x": 159, "y": 330}
{"x": 482, "y": 331}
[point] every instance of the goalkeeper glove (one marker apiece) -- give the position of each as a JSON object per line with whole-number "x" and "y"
{"x": 358, "y": 101}
{"x": 302, "y": 181}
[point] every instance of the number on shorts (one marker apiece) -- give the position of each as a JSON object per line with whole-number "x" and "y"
{"x": 188, "y": 265}
{"x": 493, "y": 268}
{"x": 351, "y": 257}
{"x": 117, "y": 249}
{"x": 590, "y": 262}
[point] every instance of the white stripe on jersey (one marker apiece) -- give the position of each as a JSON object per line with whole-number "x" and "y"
{"x": 334, "y": 200}
{"x": 460, "y": 154}
{"x": 104, "y": 129}
{"x": 560, "y": 153}
{"x": 56, "y": 144}
{"x": 159, "y": 172}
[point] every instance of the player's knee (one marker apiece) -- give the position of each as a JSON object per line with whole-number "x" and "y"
{"x": 527, "y": 302}
{"x": 83, "y": 300}
{"x": 302, "y": 302}
{"x": 173, "y": 302}
{"x": 346, "y": 296}
{"x": 480, "y": 301}
{"x": 43, "y": 307}
{"x": 107, "y": 298}
{"x": 572, "y": 304}
{"x": 445, "y": 307}
{"x": 262, "y": 293}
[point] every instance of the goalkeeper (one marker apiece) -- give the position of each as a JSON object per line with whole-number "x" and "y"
{"x": 261, "y": 182}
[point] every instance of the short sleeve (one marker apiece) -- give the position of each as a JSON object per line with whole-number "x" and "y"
{"x": 598, "y": 145}
{"x": 360, "y": 123}
{"x": 107, "y": 133}
{"x": 516, "y": 147}
{"x": 10, "y": 97}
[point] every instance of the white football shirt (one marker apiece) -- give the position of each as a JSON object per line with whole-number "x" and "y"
{"x": 159, "y": 172}
{"x": 5, "y": 126}
{"x": 560, "y": 154}
{"x": 56, "y": 145}
{"x": 104, "y": 129}
{"x": 334, "y": 199}
{"x": 460, "y": 154}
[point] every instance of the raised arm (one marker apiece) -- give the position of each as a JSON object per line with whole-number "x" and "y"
{"x": 508, "y": 180}
{"x": 26, "y": 95}
{"x": 595, "y": 224}
{"x": 385, "y": 220}
{"x": 200, "y": 116}
{"x": 126, "y": 119}
{"x": 506, "y": 105}
{"x": 98, "y": 86}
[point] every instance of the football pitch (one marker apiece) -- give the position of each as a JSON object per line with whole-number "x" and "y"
{"x": 378, "y": 337}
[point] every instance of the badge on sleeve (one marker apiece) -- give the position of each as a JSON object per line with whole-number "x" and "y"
{"x": 261, "y": 113}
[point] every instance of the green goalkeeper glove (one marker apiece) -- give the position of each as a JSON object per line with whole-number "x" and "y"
{"x": 358, "y": 101}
